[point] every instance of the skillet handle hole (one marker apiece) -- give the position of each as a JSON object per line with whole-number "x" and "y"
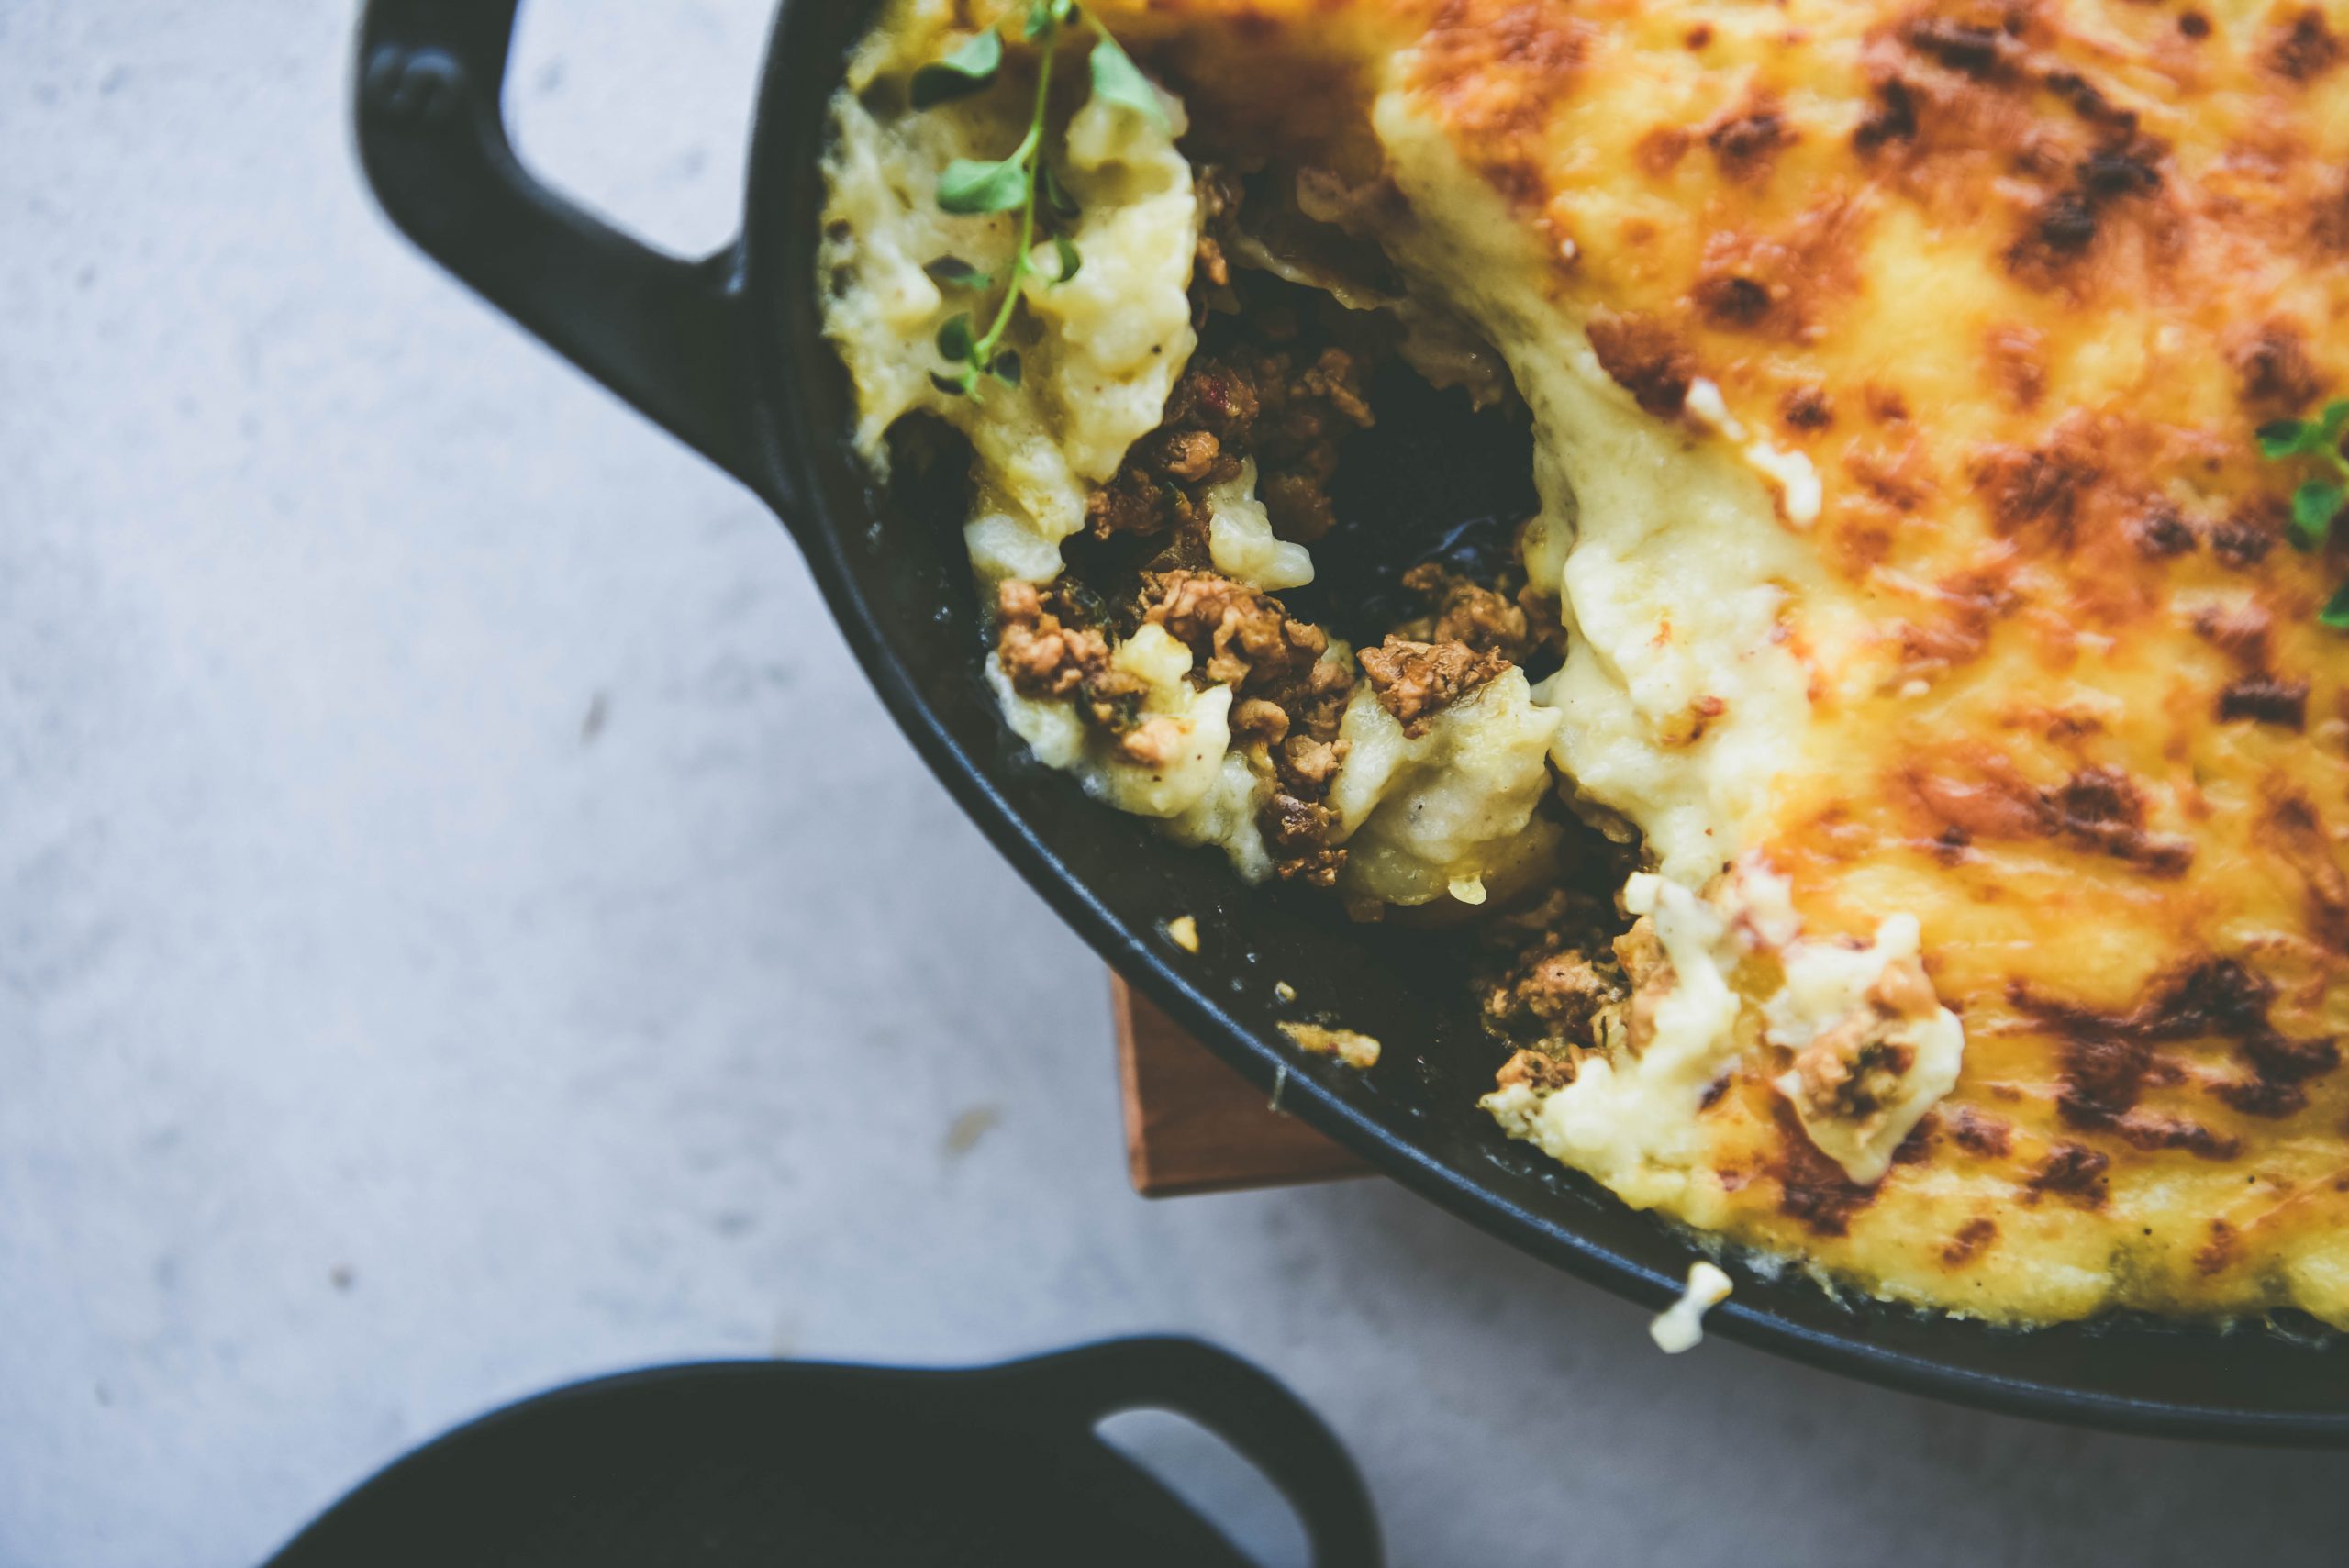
{"x": 1213, "y": 1480}
{"x": 645, "y": 126}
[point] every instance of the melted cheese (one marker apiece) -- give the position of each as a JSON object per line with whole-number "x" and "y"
{"x": 1631, "y": 1120}
{"x": 1680, "y": 1328}
{"x": 1242, "y": 542}
{"x": 1452, "y": 810}
{"x": 1673, "y": 571}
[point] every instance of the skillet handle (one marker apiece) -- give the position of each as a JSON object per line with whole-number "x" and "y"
{"x": 670, "y": 336}
{"x": 1272, "y": 1428}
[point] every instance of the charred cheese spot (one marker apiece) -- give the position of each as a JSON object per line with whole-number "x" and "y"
{"x": 1645, "y": 359}
{"x": 2243, "y": 540}
{"x": 2161, "y": 531}
{"x": 2303, "y": 48}
{"x": 2221, "y": 1251}
{"x": 1979, "y": 1133}
{"x": 1730, "y": 297}
{"x": 1806, "y": 408}
{"x": 1813, "y": 1191}
{"x": 1971, "y": 1239}
{"x": 2073, "y": 1172}
{"x": 1747, "y": 140}
{"x": 2274, "y": 371}
{"x": 2265, "y": 700}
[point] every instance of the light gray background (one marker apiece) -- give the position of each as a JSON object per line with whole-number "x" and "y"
{"x": 465, "y": 924}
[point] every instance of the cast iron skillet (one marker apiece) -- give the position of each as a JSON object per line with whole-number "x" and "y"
{"x": 798, "y": 1462}
{"x": 727, "y": 353}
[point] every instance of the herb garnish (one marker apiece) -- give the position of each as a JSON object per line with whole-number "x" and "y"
{"x": 960, "y": 74}
{"x": 2317, "y": 500}
{"x": 972, "y": 187}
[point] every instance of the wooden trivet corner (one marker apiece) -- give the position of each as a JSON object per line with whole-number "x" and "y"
{"x": 1193, "y": 1125}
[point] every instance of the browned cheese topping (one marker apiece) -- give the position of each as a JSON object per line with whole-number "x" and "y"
{"x": 2016, "y": 281}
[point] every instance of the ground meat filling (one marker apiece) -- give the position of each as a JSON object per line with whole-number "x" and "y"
{"x": 1285, "y": 404}
{"x": 1266, "y": 384}
{"x": 1286, "y": 699}
{"x": 1647, "y": 971}
{"x": 1303, "y": 408}
{"x": 1416, "y": 680}
{"x": 1238, "y": 636}
{"x": 1220, "y": 197}
{"x": 1051, "y": 651}
{"x": 1564, "y": 998}
{"x": 1280, "y": 379}
{"x": 1553, "y": 987}
{"x": 1538, "y": 1071}
{"x": 1506, "y": 618}
{"x": 1563, "y": 990}
{"x": 1160, "y": 488}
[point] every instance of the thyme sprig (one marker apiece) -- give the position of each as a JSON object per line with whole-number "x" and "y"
{"x": 2321, "y": 497}
{"x": 1022, "y": 182}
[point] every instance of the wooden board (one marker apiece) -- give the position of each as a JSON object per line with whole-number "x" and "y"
{"x": 1193, "y": 1125}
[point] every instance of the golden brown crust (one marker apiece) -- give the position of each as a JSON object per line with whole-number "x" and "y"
{"x": 2018, "y": 279}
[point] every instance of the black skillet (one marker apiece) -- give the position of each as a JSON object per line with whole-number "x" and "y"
{"x": 796, "y": 1464}
{"x": 727, "y": 353}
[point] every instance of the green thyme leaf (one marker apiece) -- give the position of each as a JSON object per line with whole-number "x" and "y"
{"x": 1117, "y": 78}
{"x": 2285, "y": 438}
{"x": 953, "y": 272}
{"x": 1021, "y": 183}
{"x": 969, "y": 186}
{"x": 954, "y": 337}
{"x": 2335, "y": 613}
{"x": 967, "y": 70}
{"x": 2317, "y": 501}
{"x": 2314, "y": 506}
{"x": 1055, "y": 194}
{"x": 1045, "y": 14}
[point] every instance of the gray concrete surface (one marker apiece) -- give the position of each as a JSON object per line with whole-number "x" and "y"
{"x": 465, "y": 923}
